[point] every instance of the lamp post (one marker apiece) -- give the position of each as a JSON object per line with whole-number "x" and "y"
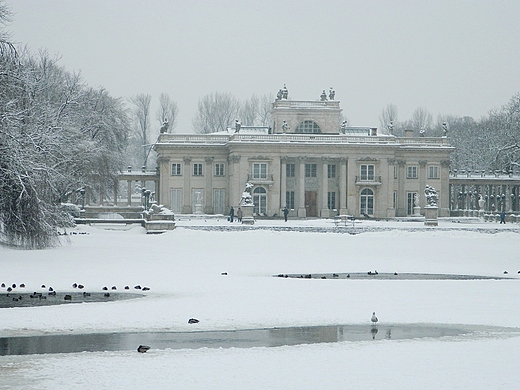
{"x": 82, "y": 193}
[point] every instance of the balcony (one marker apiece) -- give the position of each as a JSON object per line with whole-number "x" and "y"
{"x": 267, "y": 180}
{"x": 369, "y": 181}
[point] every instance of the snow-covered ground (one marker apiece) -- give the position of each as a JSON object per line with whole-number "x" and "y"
{"x": 184, "y": 270}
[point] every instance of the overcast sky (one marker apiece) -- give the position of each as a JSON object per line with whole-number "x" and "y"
{"x": 449, "y": 56}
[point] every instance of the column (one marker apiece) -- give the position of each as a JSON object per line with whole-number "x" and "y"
{"x": 283, "y": 182}
{"x": 401, "y": 196}
{"x": 129, "y": 193}
{"x": 509, "y": 199}
{"x": 343, "y": 186}
{"x": 325, "y": 212}
{"x": 208, "y": 190}
{"x": 302, "y": 213}
{"x": 186, "y": 188}
{"x": 235, "y": 192}
{"x": 116, "y": 185}
{"x": 422, "y": 183}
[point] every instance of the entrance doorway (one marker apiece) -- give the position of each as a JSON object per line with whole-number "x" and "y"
{"x": 310, "y": 203}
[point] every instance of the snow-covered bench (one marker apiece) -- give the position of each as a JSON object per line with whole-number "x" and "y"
{"x": 343, "y": 220}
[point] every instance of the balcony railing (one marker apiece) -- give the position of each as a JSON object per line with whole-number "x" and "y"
{"x": 267, "y": 180}
{"x": 370, "y": 181}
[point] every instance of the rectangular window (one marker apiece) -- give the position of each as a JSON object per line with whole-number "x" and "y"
{"x": 290, "y": 170}
{"x": 411, "y": 172}
{"x": 331, "y": 171}
{"x": 367, "y": 172}
{"x": 395, "y": 172}
{"x": 197, "y": 169}
{"x": 331, "y": 200}
{"x": 289, "y": 200}
{"x": 259, "y": 171}
{"x": 310, "y": 170}
{"x": 395, "y": 200}
{"x": 433, "y": 172}
{"x": 176, "y": 169}
{"x": 219, "y": 169}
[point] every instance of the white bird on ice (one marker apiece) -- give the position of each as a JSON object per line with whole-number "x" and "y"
{"x": 374, "y": 318}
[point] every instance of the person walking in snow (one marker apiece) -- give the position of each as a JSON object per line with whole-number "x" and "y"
{"x": 502, "y": 217}
{"x": 231, "y": 214}
{"x": 285, "y": 213}
{"x": 239, "y": 214}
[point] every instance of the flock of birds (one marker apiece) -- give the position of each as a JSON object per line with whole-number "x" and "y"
{"x": 15, "y": 289}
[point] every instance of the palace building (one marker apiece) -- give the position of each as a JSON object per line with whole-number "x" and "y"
{"x": 307, "y": 161}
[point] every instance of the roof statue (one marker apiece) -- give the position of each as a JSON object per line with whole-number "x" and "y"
{"x": 285, "y": 92}
{"x": 391, "y": 128}
{"x": 285, "y": 127}
{"x": 164, "y": 126}
{"x": 343, "y": 127}
{"x": 238, "y": 125}
{"x": 323, "y": 96}
{"x": 332, "y": 93}
{"x": 445, "y": 128}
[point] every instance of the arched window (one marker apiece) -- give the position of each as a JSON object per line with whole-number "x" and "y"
{"x": 308, "y": 127}
{"x": 367, "y": 202}
{"x": 260, "y": 200}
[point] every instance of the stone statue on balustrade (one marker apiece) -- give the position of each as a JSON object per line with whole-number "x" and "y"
{"x": 445, "y": 128}
{"x": 323, "y": 96}
{"x": 285, "y": 92}
{"x": 343, "y": 127}
{"x": 164, "y": 126}
{"x": 332, "y": 93}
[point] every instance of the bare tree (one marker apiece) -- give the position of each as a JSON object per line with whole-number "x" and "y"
{"x": 216, "y": 112}
{"x": 421, "y": 121}
{"x": 249, "y": 110}
{"x": 167, "y": 110}
{"x": 264, "y": 110}
{"x": 141, "y": 121}
{"x": 388, "y": 118}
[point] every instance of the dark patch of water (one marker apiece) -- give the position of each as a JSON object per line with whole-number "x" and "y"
{"x": 388, "y": 276}
{"x": 15, "y": 299}
{"x": 269, "y": 337}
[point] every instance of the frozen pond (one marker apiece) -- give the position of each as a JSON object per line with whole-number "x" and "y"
{"x": 269, "y": 337}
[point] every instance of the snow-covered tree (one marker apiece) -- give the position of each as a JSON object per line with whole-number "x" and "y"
{"x": 505, "y": 125}
{"x": 56, "y": 135}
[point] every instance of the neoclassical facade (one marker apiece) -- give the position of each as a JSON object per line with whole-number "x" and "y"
{"x": 308, "y": 161}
